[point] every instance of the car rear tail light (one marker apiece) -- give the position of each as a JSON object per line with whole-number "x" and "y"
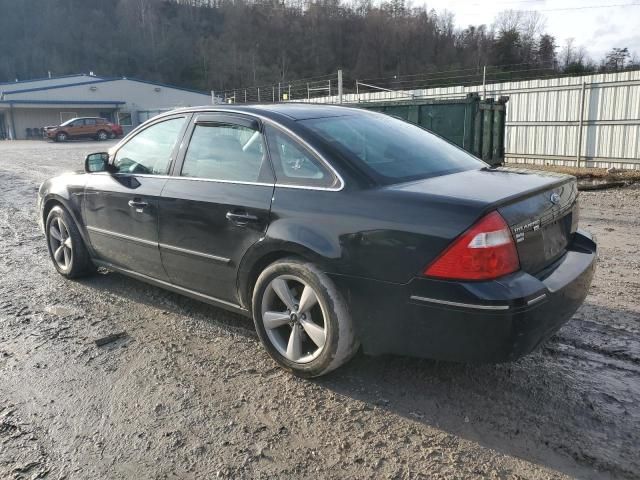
{"x": 483, "y": 252}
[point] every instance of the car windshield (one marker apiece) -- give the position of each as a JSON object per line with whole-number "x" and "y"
{"x": 392, "y": 150}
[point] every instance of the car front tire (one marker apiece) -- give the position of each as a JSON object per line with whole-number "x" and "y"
{"x": 66, "y": 247}
{"x": 302, "y": 319}
{"x": 61, "y": 137}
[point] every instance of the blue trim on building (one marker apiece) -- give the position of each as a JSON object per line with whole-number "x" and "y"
{"x": 63, "y": 102}
{"x": 50, "y": 78}
{"x": 103, "y": 80}
{"x": 54, "y": 87}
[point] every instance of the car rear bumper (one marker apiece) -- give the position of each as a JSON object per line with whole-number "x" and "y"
{"x": 493, "y": 321}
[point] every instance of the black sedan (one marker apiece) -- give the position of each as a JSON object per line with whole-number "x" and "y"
{"x": 334, "y": 228}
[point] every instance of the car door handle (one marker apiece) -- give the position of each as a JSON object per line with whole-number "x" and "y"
{"x": 241, "y": 218}
{"x": 137, "y": 204}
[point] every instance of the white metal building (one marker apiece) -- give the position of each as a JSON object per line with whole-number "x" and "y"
{"x": 27, "y": 106}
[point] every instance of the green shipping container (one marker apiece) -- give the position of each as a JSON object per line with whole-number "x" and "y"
{"x": 471, "y": 123}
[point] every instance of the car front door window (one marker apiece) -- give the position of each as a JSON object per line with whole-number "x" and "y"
{"x": 150, "y": 151}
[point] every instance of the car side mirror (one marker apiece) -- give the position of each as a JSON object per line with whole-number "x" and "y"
{"x": 96, "y": 162}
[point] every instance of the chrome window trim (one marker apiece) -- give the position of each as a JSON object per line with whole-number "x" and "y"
{"x": 198, "y": 179}
{"x": 176, "y": 177}
{"x": 109, "y": 233}
{"x": 459, "y": 304}
{"x": 195, "y": 253}
{"x": 264, "y": 119}
{"x": 323, "y": 160}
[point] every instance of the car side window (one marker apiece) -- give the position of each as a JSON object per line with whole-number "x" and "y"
{"x": 226, "y": 151}
{"x": 294, "y": 164}
{"x": 149, "y": 152}
{"x": 89, "y": 121}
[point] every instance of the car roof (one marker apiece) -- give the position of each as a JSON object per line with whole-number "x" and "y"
{"x": 293, "y": 111}
{"x": 83, "y": 118}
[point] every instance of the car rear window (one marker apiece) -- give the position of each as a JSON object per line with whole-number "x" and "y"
{"x": 390, "y": 149}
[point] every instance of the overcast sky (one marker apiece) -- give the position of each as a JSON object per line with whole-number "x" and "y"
{"x": 598, "y": 29}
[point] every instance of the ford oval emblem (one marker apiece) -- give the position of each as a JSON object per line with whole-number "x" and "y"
{"x": 555, "y": 198}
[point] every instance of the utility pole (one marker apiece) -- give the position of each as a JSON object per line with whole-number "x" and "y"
{"x": 340, "y": 86}
{"x": 484, "y": 82}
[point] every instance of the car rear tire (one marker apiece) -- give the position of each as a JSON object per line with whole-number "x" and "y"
{"x": 102, "y": 135}
{"x": 61, "y": 137}
{"x": 66, "y": 247}
{"x": 302, "y": 319}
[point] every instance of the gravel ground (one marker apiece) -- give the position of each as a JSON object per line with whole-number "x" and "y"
{"x": 189, "y": 392}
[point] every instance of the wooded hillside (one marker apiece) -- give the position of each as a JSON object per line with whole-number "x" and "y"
{"x": 221, "y": 44}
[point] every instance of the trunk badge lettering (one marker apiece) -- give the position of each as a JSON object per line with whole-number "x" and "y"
{"x": 535, "y": 225}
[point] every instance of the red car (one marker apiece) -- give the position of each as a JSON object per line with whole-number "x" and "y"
{"x": 116, "y": 130}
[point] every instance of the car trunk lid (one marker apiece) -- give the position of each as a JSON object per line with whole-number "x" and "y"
{"x": 539, "y": 207}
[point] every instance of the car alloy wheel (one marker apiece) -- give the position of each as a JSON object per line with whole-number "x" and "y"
{"x": 294, "y": 319}
{"x": 61, "y": 137}
{"x": 103, "y": 135}
{"x": 61, "y": 243}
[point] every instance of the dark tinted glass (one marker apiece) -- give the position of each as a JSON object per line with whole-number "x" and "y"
{"x": 149, "y": 152}
{"x": 391, "y": 149}
{"x": 228, "y": 152}
{"x": 294, "y": 164}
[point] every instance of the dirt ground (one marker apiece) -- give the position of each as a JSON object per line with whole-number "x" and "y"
{"x": 189, "y": 392}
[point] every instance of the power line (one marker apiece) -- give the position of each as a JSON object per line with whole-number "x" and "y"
{"x": 477, "y": 69}
{"x": 566, "y": 9}
{"x": 586, "y": 7}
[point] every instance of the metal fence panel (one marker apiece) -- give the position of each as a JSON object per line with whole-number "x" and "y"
{"x": 554, "y": 120}
{"x": 474, "y": 125}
